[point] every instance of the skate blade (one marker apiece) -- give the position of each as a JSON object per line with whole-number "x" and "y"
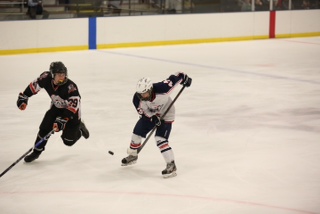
{"x": 174, "y": 174}
{"x": 128, "y": 164}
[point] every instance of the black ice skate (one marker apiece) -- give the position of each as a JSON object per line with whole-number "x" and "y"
{"x": 32, "y": 156}
{"x": 131, "y": 159}
{"x": 170, "y": 171}
{"x": 84, "y": 131}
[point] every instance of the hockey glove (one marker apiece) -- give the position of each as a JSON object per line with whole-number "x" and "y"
{"x": 22, "y": 101}
{"x": 186, "y": 81}
{"x": 59, "y": 124}
{"x": 156, "y": 120}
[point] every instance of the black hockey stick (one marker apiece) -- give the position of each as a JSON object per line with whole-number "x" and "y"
{"x": 164, "y": 114}
{"x": 25, "y": 154}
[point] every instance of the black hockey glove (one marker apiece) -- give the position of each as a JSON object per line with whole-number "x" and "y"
{"x": 22, "y": 101}
{"x": 59, "y": 124}
{"x": 156, "y": 120}
{"x": 186, "y": 81}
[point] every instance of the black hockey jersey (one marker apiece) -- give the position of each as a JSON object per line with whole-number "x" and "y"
{"x": 65, "y": 97}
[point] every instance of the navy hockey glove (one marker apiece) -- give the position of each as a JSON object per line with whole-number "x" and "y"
{"x": 186, "y": 81}
{"x": 22, "y": 101}
{"x": 59, "y": 124}
{"x": 156, "y": 120}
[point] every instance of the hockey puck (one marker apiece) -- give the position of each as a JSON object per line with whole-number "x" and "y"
{"x": 111, "y": 152}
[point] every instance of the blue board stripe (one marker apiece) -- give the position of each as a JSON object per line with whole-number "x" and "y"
{"x": 92, "y": 33}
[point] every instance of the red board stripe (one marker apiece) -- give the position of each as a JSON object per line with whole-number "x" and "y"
{"x": 272, "y": 24}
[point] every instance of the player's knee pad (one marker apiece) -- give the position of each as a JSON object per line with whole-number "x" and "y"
{"x": 162, "y": 143}
{"x": 160, "y": 139}
{"x": 136, "y": 139}
{"x": 68, "y": 142}
{"x": 42, "y": 133}
{"x": 134, "y": 145}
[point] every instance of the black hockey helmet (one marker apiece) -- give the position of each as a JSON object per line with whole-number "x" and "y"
{"x": 58, "y": 67}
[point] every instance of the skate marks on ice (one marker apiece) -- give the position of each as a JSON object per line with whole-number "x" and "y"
{"x": 245, "y": 136}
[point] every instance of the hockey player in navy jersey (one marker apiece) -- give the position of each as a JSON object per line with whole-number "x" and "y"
{"x": 151, "y": 100}
{"x": 65, "y": 110}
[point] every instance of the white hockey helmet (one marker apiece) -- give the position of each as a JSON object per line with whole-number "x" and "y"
{"x": 144, "y": 85}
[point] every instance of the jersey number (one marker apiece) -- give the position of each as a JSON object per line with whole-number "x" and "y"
{"x": 73, "y": 103}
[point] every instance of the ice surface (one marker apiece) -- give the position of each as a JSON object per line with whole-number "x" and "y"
{"x": 246, "y": 136}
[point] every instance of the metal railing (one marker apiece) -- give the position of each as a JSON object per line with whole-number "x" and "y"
{"x": 89, "y": 8}
{"x": 21, "y": 4}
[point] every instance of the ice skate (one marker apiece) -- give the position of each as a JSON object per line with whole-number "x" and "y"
{"x": 84, "y": 131}
{"x": 170, "y": 171}
{"x": 32, "y": 156}
{"x": 131, "y": 159}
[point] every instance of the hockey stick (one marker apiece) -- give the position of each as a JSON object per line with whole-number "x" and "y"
{"x": 164, "y": 114}
{"x": 25, "y": 154}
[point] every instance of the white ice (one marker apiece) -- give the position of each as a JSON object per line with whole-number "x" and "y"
{"x": 246, "y": 136}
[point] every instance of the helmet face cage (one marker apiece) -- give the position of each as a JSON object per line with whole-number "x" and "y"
{"x": 145, "y": 98}
{"x": 144, "y": 85}
{"x": 58, "y": 67}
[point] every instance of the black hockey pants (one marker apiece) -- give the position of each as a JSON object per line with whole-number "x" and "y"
{"x": 71, "y": 133}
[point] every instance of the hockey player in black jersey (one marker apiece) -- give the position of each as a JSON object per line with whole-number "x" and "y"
{"x": 151, "y": 100}
{"x": 65, "y": 110}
